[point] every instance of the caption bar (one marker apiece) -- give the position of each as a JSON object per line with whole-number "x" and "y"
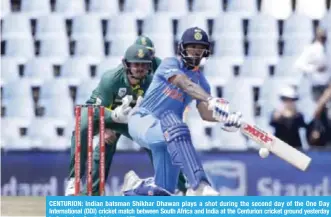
{"x": 187, "y": 206}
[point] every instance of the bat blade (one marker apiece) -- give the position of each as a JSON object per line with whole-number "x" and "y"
{"x": 276, "y": 146}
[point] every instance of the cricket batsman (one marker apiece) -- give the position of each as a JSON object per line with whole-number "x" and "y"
{"x": 175, "y": 84}
{"x": 130, "y": 78}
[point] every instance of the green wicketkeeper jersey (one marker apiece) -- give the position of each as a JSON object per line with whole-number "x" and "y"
{"x": 114, "y": 86}
{"x": 155, "y": 63}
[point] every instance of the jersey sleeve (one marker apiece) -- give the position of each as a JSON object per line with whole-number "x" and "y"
{"x": 104, "y": 93}
{"x": 168, "y": 68}
{"x": 205, "y": 85}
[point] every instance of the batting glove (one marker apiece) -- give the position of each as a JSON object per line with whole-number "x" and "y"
{"x": 220, "y": 108}
{"x": 233, "y": 122}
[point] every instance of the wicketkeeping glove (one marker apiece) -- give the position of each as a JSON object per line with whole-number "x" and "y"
{"x": 120, "y": 113}
{"x": 138, "y": 102}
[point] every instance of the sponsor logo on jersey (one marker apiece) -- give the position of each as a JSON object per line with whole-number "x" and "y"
{"x": 121, "y": 92}
{"x": 98, "y": 101}
{"x": 174, "y": 94}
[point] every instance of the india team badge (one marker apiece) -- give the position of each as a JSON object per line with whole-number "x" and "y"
{"x": 121, "y": 92}
{"x": 197, "y": 34}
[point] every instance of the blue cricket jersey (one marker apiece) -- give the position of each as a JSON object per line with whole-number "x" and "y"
{"x": 162, "y": 95}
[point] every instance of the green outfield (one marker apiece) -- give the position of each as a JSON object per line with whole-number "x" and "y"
{"x": 23, "y": 206}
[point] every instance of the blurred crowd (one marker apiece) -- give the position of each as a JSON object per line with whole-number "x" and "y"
{"x": 287, "y": 119}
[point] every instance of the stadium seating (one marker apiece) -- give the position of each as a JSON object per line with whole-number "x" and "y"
{"x": 173, "y": 8}
{"x": 139, "y": 8}
{"x": 104, "y": 8}
{"x": 35, "y": 8}
{"x": 263, "y": 25}
{"x": 122, "y": 25}
{"x": 157, "y": 25}
{"x": 75, "y": 70}
{"x": 72, "y": 43}
{"x": 69, "y": 9}
{"x": 19, "y": 107}
{"x": 55, "y": 88}
{"x": 264, "y": 47}
{"x": 298, "y": 25}
{"x": 11, "y": 92}
{"x": 207, "y": 9}
{"x": 90, "y": 48}
{"x": 51, "y": 26}
{"x": 9, "y": 70}
{"x": 255, "y": 68}
{"x": 295, "y": 45}
{"x": 53, "y": 110}
{"x": 14, "y": 135}
{"x": 280, "y": 9}
{"x": 54, "y": 48}
{"x": 164, "y": 46}
{"x": 5, "y": 8}
{"x": 326, "y": 22}
{"x": 16, "y": 26}
{"x": 38, "y": 70}
{"x": 20, "y": 48}
{"x": 228, "y": 24}
{"x": 86, "y": 26}
{"x": 243, "y": 8}
{"x": 44, "y": 134}
{"x": 231, "y": 47}
{"x": 218, "y": 69}
{"x": 314, "y": 10}
{"x": 285, "y": 67}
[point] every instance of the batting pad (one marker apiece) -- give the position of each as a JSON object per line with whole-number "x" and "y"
{"x": 180, "y": 148}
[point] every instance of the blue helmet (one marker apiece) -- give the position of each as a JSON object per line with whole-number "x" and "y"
{"x": 193, "y": 35}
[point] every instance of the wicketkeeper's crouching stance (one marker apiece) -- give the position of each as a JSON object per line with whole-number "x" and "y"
{"x": 175, "y": 84}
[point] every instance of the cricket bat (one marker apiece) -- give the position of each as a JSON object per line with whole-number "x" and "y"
{"x": 276, "y": 146}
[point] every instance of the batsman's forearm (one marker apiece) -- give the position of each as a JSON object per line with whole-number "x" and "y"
{"x": 205, "y": 113}
{"x": 191, "y": 88}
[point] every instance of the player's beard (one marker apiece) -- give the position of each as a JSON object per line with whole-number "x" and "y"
{"x": 138, "y": 74}
{"x": 193, "y": 61}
